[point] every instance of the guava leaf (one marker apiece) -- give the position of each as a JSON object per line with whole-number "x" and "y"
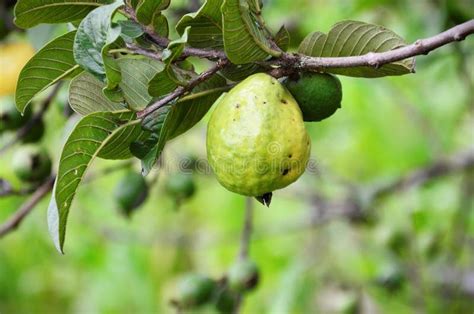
{"x": 93, "y": 35}
{"x": 282, "y": 38}
{"x": 171, "y": 76}
{"x": 238, "y": 72}
{"x": 52, "y": 63}
{"x": 29, "y": 13}
{"x": 85, "y": 143}
{"x": 246, "y": 38}
{"x": 148, "y": 8}
{"x": 86, "y": 97}
{"x": 352, "y": 38}
{"x": 206, "y": 26}
{"x": 130, "y": 30}
{"x": 176, "y": 118}
{"x": 136, "y": 75}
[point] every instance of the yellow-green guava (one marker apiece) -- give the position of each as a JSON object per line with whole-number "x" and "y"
{"x": 319, "y": 95}
{"x": 256, "y": 138}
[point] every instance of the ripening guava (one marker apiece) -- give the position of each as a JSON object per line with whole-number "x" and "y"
{"x": 31, "y": 163}
{"x": 256, "y": 138}
{"x": 319, "y": 95}
{"x": 13, "y": 56}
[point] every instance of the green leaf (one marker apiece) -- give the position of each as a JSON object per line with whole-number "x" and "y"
{"x": 246, "y": 38}
{"x": 206, "y": 26}
{"x": 352, "y": 38}
{"x": 148, "y": 8}
{"x": 29, "y": 13}
{"x": 86, "y": 97}
{"x": 172, "y": 75}
{"x": 238, "y": 72}
{"x": 130, "y": 30}
{"x": 282, "y": 38}
{"x": 93, "y": 35}
{"x": 159, "y": 24}
{"x": 136, "y": 75}
{"x": 85, "y": 143}
{"x": 176, "y": 118}
{"x": 52, "y": 63}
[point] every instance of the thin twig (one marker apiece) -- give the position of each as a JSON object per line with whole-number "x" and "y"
{"x": 23, "y": 131}
{"x": 15, "y": 220}
{"x": 181, "y": 90}
{"x": 247, "y": 229}
{"x": 245, "y": 243}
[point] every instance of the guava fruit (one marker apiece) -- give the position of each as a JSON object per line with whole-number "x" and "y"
{"x": 130, "y": 192}
{"x": 256, "y": 138}
{"x": 180, "y": 186}
{"x": 194, "y": 290}
{"x": 35, "y": 133}
{"x": 226, "y": 300}
{"x": 31, "y": 163}
{"x": 10, "y": 117}
{"x": 319, "y": 95}
{"x": 243, "y": 276}
{"x": 13, "y": 56}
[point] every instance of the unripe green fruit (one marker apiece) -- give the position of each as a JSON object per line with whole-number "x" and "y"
{"x": 10, "y": 117}
{"x": 243, "y": 276}
{"x": 319, "y": 95}
{"x": 131, "y": 191}
{"x": 256, "y": 138}
{"x": 195, "y": 290}
{"x": 180, "y": 186}
{"x": 35, "y": 133}
{"x": 226, "y": 301}
{"x": 31, "y": 163}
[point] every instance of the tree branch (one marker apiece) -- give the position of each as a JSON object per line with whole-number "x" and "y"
{"x": 16, "y": 219}
{"x": 419, "y": 47}
{"x": 181, "y": 90}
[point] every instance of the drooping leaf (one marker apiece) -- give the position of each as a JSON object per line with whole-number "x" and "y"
{"x": 130, "y": 30}
{"x": 352, "y": 38}
{"x": 282, "y": 38}
{"x": 160, "y": 25}
{"x": 176, "y": 118}
{"x": 136, "y": 75}
{"x": 171, "y": 76}
{"x": 86, "y": 141}
{"x": 52, "y": 63}
{"x": 206, "y": 26}
{"x": 29, "y": 13}
{"x": 86, "y": 97}
{"x": 238, "y": 72}
{"x": 246, "y": 38}
{"x": 148, "y": 8}
{"x": 93, "y": 35}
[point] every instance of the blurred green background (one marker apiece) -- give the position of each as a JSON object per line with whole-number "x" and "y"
{"x": 412, "y": 251}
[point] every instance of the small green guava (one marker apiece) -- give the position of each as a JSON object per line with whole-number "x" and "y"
{"x": 10, "y": 117}
{"x": 194, "y": 290}
{"x": 130, "y": 192}
{"x": 319, "y": 95}
{"x": 35, "y": 133}
{"x": 243, "y": 276}
{"x": 180, "y": 186}
{"x": 256, "y": 138}
{"x": 31, "y": 163}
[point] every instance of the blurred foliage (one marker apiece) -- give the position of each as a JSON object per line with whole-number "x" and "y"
{"x": 401, "y": 263}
